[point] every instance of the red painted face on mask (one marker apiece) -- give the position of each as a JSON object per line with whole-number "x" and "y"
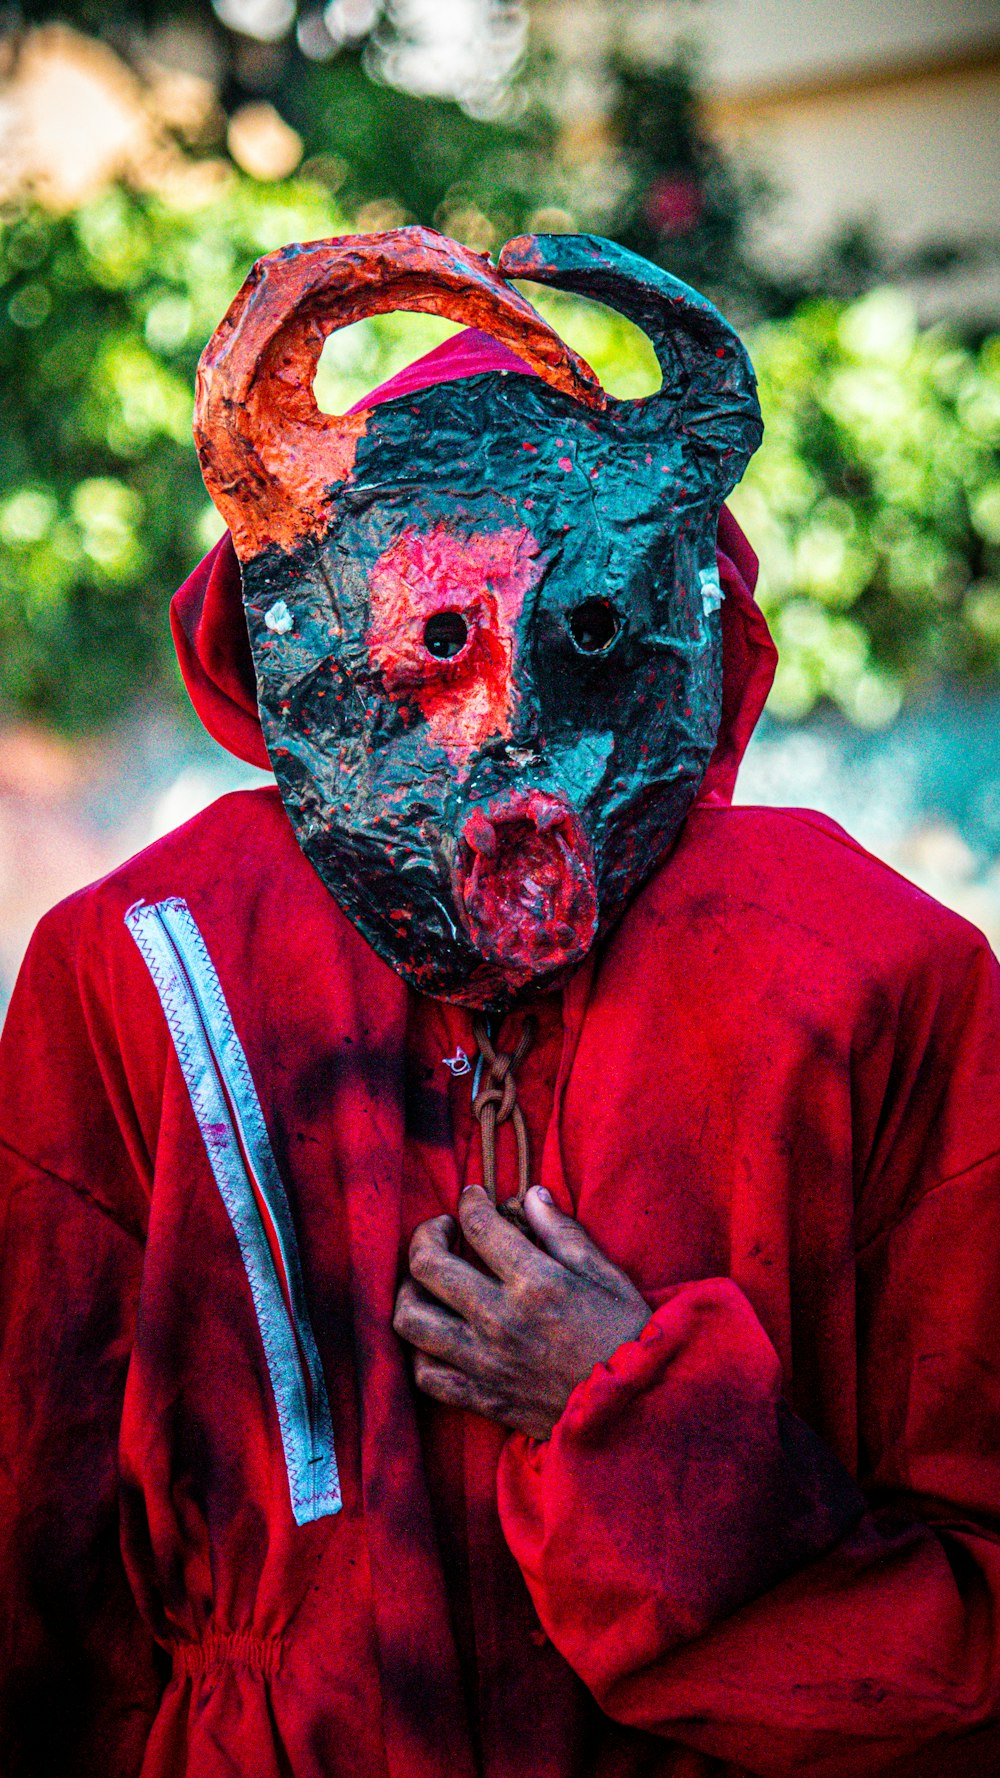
{"x": 444, "y": 634}
{"x": 444, "y": 613}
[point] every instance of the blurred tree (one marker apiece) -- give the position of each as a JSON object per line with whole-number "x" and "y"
{"x": 393, "y": 156}
{"x": 466, "y": 151}
{"x": 406, "y": 116}
{"x": 408, "y": 111}
{"x": 683, "y": 203}
{"x": 875, "y": 500}
{"x": 102, "y": 316}
{"x": 874, "y": 503}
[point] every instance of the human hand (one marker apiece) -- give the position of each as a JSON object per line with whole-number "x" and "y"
{"x": 512, "y": 1345}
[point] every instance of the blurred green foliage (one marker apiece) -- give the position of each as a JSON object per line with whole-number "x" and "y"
{"x": 874, "y": 502}
{"x": 423, "y": 158}
{"x": 482, "y": 163}
{"x": 102, "y": 316}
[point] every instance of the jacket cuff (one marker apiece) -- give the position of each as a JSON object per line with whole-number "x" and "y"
{"x": 675, "y": 1488}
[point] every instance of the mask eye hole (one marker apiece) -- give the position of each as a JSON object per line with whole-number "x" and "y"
{"x": 445, "y": 634}
{"x": 593, "y": 625}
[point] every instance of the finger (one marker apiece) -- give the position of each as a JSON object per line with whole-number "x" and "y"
{"x": 448, "y": 1277}
{"x": 566, "y": 1241}
{"x": 439, "y": 1229}
{"x": 459, "y": 1391}
{"x": 445, "y": 1383}
{"x": 428, "y": 1326}
{"x": 507, "y": 1252}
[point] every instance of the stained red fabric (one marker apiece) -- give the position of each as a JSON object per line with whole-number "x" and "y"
{"x": 213, "y": 650}
{"x": 762, "y": 1539}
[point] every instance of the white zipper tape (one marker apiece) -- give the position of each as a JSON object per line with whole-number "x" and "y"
{"x": 229, "y": 1116}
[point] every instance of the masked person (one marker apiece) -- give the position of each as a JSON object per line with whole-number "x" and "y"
{"x": 669, "y": 1445}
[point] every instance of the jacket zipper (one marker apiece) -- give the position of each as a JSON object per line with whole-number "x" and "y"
{"x": 227, "y": 1109}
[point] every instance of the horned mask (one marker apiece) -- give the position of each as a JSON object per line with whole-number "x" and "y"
{"x": 484, "y": 616}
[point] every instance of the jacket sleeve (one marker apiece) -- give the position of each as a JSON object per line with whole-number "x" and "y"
{"x": 705, "y": 1564}
{"x": 78, "y": 1679}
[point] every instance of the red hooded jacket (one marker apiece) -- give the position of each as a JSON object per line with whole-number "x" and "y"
{"x": 762, "y": 1539}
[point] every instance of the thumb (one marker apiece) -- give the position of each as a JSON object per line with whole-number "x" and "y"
{"x": 565, "y": 1240}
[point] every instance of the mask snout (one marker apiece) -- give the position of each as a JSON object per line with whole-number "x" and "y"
{"x": 525, "y": 883}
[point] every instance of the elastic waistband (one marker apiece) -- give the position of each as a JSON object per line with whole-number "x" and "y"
{"x": 262, "y": 1654}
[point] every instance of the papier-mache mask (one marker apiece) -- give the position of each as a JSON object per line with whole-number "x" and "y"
{"x": 484, "y": 615}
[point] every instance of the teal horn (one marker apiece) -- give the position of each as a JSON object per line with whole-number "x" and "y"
{"x": 708, "y": 392}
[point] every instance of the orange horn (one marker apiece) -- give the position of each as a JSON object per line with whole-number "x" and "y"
{"x": 268, "y": 456}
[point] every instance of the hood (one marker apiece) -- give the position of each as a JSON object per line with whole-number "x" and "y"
{"x": 213, "y": 649}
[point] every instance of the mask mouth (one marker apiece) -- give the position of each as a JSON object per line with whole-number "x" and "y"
{"x": 525, "y": 883}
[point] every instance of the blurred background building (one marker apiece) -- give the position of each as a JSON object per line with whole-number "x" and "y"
{"x": 879, "y": 117}
{"x": 828, "y": 173}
